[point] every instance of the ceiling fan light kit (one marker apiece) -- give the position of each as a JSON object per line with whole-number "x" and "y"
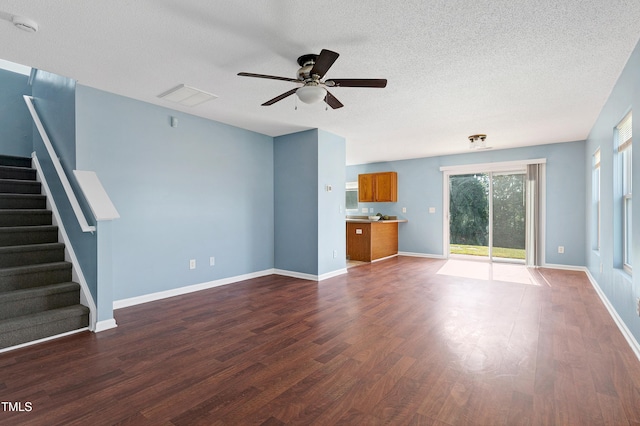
{"x": 311, "y": 94}
{"x": 312, "y": 69}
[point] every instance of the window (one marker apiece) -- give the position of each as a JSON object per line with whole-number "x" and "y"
{"x": 623, "y": 136}
{"x": 596, "y": 199}
{"x": 351, "y": 196}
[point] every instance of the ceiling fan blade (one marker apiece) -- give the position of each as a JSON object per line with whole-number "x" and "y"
{"x": 324, "y": 62}
{"x": 332, "y": 101}
{"x": 270, "y": 77}
{"x": 280, "y": 97}
{"x": 357, "y": 82}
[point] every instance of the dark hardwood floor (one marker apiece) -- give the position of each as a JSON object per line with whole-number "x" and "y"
{"x": 388, "y": 343}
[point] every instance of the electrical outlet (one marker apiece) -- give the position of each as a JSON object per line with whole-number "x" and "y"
{"x": 638, "y": 306}
{"x": 212, "y": 261}
{"x": 192, "y": 264}
{"x": 404, "y": 210}
{"x": 561, "y": 249}
{"x": 335, "y": 254}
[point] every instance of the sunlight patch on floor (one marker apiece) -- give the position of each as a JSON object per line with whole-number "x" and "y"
{"x": 507, "y": 272}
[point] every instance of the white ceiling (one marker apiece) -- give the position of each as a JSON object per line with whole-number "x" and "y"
{"x": 525, "y": 72}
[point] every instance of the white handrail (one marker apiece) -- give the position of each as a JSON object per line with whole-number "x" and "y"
{"x": 56, "y": 164}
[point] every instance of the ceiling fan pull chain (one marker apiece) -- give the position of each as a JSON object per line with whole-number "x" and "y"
{"x": 296, "y": 103}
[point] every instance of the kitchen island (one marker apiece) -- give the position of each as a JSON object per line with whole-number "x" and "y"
{"x": 369, "y": 240}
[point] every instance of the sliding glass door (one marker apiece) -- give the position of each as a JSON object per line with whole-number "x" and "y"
{"x": 469, "y": 214}
{"x": 487, "y": 215}
{"x": 508, "y": 216}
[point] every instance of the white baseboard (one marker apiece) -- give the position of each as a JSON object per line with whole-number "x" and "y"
{"x": 310, "y": 277}
{"x": 564, "y": 267}
{"x": 86, "y": 298}
{"x": 332, "y": 274}
{"x": 132, "y": 301}
{"x": 614, "y": 314}
{"x": 105, "y": 325}
{"x": 45, "y": 339}
{"x": 430, "y": 256}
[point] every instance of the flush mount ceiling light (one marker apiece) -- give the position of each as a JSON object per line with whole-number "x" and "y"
{"x": 310, "y": 94}
{"x": 187, "y": 96}
{"x": 478, "y": 141}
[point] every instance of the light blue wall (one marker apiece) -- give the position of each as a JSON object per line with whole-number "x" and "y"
{"x": 621, "y": 289}
{"x": 54, "y": 100}
{"x": 330, "y": 214}
{"x": 296, "y": 201}
{"x": 15, "y": 121}
{"x": 309, "y": 220}
{"x": 420, "y": 186}
{"x": 199, "y": 190}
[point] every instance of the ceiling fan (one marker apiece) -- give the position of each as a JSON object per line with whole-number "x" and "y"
{"x": 313, "y": 68}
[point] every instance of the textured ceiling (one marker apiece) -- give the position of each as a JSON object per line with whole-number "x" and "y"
{"x": 524, "y": 72}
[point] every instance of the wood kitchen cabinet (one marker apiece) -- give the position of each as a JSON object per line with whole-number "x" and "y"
{"x": 378, "y": 187}
{"x": 368, "y": 241}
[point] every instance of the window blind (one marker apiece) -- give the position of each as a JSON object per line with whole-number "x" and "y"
{"x": 624, "y": 133}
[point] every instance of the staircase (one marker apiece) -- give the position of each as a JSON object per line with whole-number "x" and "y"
{"x": 37, "y": 297}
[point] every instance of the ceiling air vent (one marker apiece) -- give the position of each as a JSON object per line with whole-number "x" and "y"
{"x": 187, "y": 96}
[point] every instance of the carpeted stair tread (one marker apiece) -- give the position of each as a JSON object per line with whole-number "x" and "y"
{"x": 21, "y": 235}
{"x": 25, "y": 217}
{"x": 38, "y": 299}
{"x": 20, "y": 277}
{"x": 31, "y": 254}
{"x": 23, "y": 201}
{"x": 19, "y": 173}
{"x": 26, "y": 269}
{"x": 13, "y": 186}
{"x": 26, "y": 328}
{"x": 11, "y": 160}
{"x": 37, "y": 296}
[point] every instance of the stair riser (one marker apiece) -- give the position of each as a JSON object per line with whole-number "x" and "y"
{"x": 34, "y": 279}
{"x": 40, "y": 331}
{"x": 19, "y": 201}
{"x": 37, "y": 297}
{"x": 32, "y": 257}
{"x": 6, "y": 160}
{"x": 24, "y": 219}
{"x": 36, "y": 236}
{"x": 17, "y": 173}
{"x": 38, "y": 304}
{"x": 20, "y": 187}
